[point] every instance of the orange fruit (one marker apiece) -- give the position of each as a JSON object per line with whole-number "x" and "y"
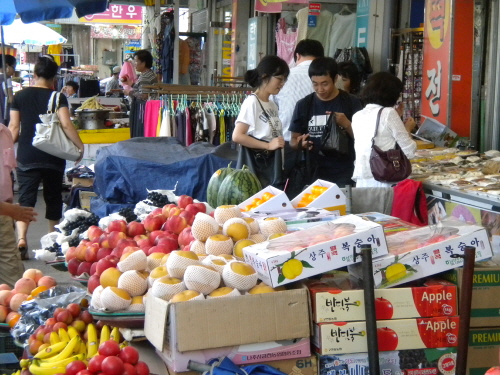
{"x": 266, "y": 196}
{"x": 248, "y": 207}
{"x": 12, "y": 320}
{"x": 255, "y": 201}
{"x": 302, "y": 204}
{"x": 258, "y": 203}
{"x": 35, "y": 292}
{"x": 307, "y": 197}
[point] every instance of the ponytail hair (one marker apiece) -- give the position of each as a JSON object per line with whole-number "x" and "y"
{"x": 268, "y": 67}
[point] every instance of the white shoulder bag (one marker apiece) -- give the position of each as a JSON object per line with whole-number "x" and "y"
{"x": 50, "y": 136}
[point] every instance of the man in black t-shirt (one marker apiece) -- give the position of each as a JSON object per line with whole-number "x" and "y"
{"x": 310, "y": 118}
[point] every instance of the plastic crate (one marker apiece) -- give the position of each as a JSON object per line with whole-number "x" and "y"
{"x": 7, "y": 345}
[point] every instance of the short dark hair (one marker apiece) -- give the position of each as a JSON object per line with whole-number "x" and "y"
{"x": 9, "y": 60}
{"x": 382, "y": 88}
{"x": 145, "y": 57}
{"x": 268, "y": 67}
{"x": 309, "y": 47}
{"x": 46, "y": 67}
{"x": 73, "y": 84}
{"x": 323, "y": 66}
{"x": 349, "y": 70}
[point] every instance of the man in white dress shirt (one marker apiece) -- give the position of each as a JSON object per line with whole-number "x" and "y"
{"x": 296, "y": 87}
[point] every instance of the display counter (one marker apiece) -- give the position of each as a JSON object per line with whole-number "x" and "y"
{"x": 107, "y": 136}
{"x": 478, "y": 200}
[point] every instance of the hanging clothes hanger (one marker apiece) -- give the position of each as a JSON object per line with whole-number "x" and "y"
{"x": 345, "y": 11}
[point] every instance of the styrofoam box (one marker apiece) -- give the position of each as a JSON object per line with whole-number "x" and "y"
{"x": 279, "y": 202}
{"x": 332, "y": 199}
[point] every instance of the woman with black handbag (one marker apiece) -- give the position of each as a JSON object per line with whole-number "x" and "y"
{"x": 258, "y": 129}
{"x": 379, "y": 132}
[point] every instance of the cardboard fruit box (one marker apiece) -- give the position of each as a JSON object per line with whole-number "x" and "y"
{"x": 331, "y": 199}
{"x": 397, "y": 334}
{"x": 310, "y": 252}
{"x": 426, "y": 251}
{"x": 440, "y": 361}
{"x": 485, "y": 306}
{"x": 277, "y": 203}
{"x": 337, "y": 299}
{"x": 297, "y": 218}
{"x": 229, "y": 321}
{"x": 239, "y": 354}
{"x": 484, "y": 344}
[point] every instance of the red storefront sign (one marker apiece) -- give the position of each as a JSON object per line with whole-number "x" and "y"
{"x": 274, "y": 6}
{"x": 437, "y": 60}
{"x": 117, "y": 14}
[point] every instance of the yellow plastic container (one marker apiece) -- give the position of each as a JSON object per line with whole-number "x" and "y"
{"x": 104, "y": 135}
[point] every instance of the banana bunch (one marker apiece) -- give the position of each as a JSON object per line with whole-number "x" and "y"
{"x": 18, "y": 372}
{"x": 55, "y": 358}
{"x": 91, "y": 103}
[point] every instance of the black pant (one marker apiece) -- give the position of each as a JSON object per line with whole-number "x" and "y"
{"x": 52, "y": 189}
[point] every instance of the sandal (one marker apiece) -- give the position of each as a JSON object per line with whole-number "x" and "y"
{"x": 23, "y": 249}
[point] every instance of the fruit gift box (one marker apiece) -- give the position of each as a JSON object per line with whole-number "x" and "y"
{"x": 269, "y": 198}
{"x": 339, "y": 298}
{"x": 426, "y": 251}
{"x": 322, "y": 194}
{"x": 397, "y": 334}
{"x": 318, "y": 249}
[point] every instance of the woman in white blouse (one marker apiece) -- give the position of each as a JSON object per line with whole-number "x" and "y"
{"x": 382, "y": 90}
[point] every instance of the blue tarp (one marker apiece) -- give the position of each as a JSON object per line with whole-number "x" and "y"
{"x": 125, "y": 170}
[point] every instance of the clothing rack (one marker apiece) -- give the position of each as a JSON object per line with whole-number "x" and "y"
{"x": 164, "y": 88}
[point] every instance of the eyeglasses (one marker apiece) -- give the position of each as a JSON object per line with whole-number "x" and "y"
{"x": 282, "y": 79}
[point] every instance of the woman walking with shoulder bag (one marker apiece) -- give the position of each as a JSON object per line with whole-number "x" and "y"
{"x": 258, "y": 128}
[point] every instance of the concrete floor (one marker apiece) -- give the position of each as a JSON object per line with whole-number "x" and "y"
{"x": 35, "y": 233}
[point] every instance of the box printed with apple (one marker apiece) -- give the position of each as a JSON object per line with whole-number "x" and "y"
{"x": 441, "y": 361}
{"x": 322, "y": 248}
{"x": 426, "y": 251}
{"x": 335, "y": 300}
{"x": 397, "y": 334}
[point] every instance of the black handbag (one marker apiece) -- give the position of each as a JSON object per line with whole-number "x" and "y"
{"x": 391, "y": 165}
{"x": 334, "y": 140}
{"x": 300, "y": 176}
{"x": 266, "y": 165}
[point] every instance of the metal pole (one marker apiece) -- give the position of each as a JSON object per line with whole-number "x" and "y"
{"x": 4, "y": 66}
{"x": 371, "y": 322}
{"x": 464, "y": 309}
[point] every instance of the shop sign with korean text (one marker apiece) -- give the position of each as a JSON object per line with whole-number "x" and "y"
{"x": 117, "y": 14}
{"x": 274, "y": 6}
{"x": 436, "y": 78}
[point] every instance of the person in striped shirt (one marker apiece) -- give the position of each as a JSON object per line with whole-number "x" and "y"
{"x": 143, "y": 61}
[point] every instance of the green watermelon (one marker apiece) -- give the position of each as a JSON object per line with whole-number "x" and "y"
{"x": 214, "y": 184}
{"x": 237, "y": 187}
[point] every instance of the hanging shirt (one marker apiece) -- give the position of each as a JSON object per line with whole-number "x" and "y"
{"x": 286, "y": 39}
{"x": 296, "y": 87}
{"x": 321, "y": 32}
{"x": 343, "y": 32}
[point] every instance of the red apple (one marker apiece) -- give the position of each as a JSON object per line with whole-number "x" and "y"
{"x": 73, "y": 265}
{"x": 154, "y": 234}
{"x": 123, "y": 243}
{"x": 58, "y": 325}
{"x": 130, "y": 249}
{"x": 91, "y": 253}
{"x": 201, "y": 207}
{"x": 113, "y": 259}
{"x": 104, "y": 241}
{"x": 185, "y": 237}
{"x": 64, "y": 317}
{"x": 71, "y": 254}
{"x": 175, "y": 211}
{"x": 95, "y": 363}
{"x": 74, "y": 309}
{"x": 109, "y": 348}
{"x": 187, "y": 247}
{"x": 172, "y": 235}
{"x": 188, "y": 216}
{"x": 86, "y": 317}
{"x": 103, "y": 252}
{"x": 176, "y": 224}
{"x": 112, "y": 365}
{"x": 93, "y": 283}
{"x": 166, "y": 209}
{"x": 192, "y": 209}
{"x": 387, "y": 339}
{"x": 156, "y": 211}
{"x": 144, "y": 243}
{"x": 94, "y": 233}
{"x": 93, "y": 268}
{"x": 117, "y": 252}
{"x": 85, "y": 372}
{"x": 140, "y": 237}
{"x": 84, "y": 267}
{"x": 74, "y": 367}
{"x": 103, "y": 265}
{"x": 117, "y": 226}
{"x": 169, "y": 243}
{"x": 184, "y": 200}
{"x": 142, "y": 368}
{"x": 152, "y": 223}
{"x": 383, "y": 309}
{"x": 50, "y": 322}
{"x": 129, "y": 354}
{"x": 114, "y": 237}
{"x": 129, "y": 369}
{"x": 134, "y": 228}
